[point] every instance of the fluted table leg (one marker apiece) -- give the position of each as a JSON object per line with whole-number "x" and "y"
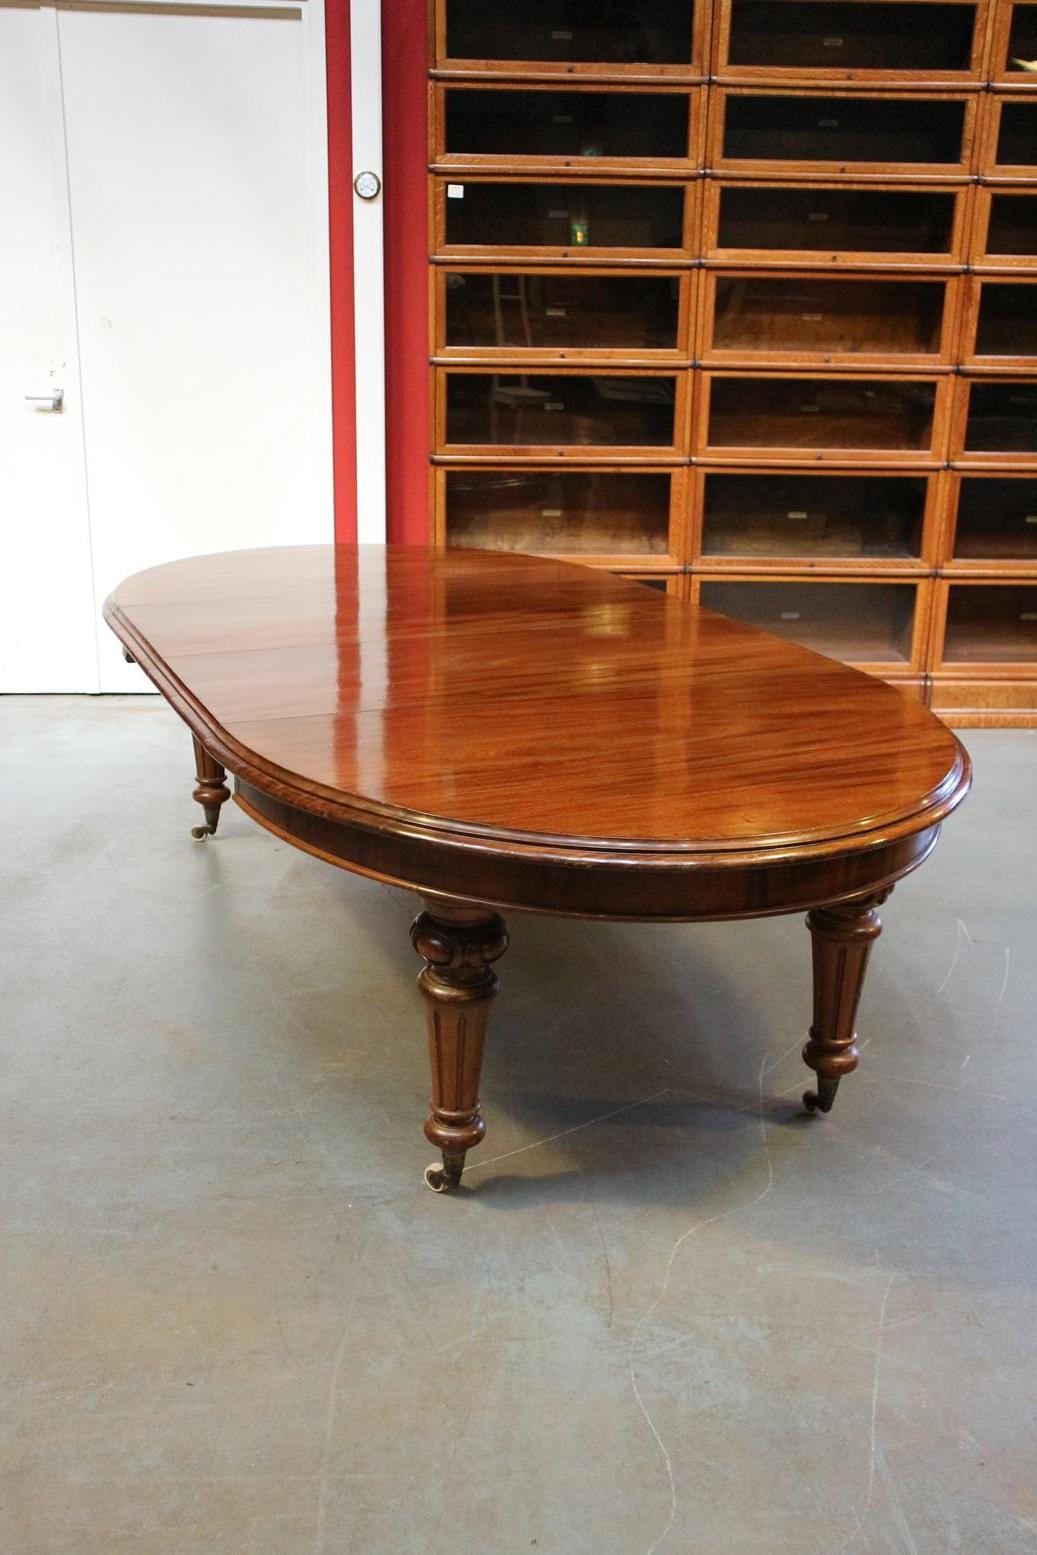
{"x": 457, "y": 942}
{"x": 842, "y": 937}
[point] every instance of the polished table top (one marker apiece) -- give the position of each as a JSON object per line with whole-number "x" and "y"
{"x": 505, "y": 697}
{"x": 496, "y": 731}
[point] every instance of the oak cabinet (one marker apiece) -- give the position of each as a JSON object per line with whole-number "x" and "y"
{"x": 739, "y": 298}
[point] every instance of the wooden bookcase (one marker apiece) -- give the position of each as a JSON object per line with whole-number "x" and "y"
{"x": 739, "y": 298}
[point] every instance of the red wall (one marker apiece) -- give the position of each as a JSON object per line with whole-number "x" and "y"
{"x": 340, "y": 222}
{"x": 405, "y": 151}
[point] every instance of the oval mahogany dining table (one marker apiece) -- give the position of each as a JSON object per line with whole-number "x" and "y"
{"x": 504, "y": 733}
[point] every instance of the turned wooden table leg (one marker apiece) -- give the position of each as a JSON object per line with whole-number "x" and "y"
{"x": 842, "y": 937}
{"x": 458, "y": 942}
{"x": 212, "y": 790}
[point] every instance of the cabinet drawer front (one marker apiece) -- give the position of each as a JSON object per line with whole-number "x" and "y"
{"x": 569, "y": 218}
{"x": 1011, "y": 228}
{"x": 860, "y": 623}
{"x": 576, "y": 410}
{"x": 991, "y": 624}
{"x": 1015, "y": 145}
{"x": 543, "y": 310}
{"x": 810, "y": 315}
{"x": 820, "y": 413}
{"x": 585, "y": 124}
{"x": 996, "y": 519}
{"x": 1002, "y": 418}
{"x": 654, "y": 32}
{"x": 1004, "y": 322}
{"x": 560, "y": 512}
{"x": 882, "y": 132}
{"x": 896, "y": 39}
{"x": 831, "y": 221}
{"x": 833, "y": 517}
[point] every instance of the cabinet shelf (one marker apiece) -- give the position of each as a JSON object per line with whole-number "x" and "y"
{"x": 982, "y": 624}
{"x": 1015, "y": 39}
{"x": 879, "y": 625}
{"x": 995, "y": 421}
{"x": 1005, "y": 231}
{"x": 780, "y": 518}
{"x": 561, "y": 413}
{"x": 570, "y": 37}
{"x": 834, "y": 225}
{"x": 623, "y": 516}
{"x": 840, "y": 134}
{"x": 817, "y": 319}
{"x": 561, "y": 313}
{"x": 589, "y": 129}
{"x": 992, "y": 523}
{"x": 847, "y": 420}
{"x": 515, "y": 218}
{"x": 1008, "y": 141}
{"x": 1001, "y": 325}
{"x": 865, "y": 41}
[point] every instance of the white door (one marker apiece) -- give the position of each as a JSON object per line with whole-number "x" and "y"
{"x": 192, "y": 273}
{"x": 48, "y": 638}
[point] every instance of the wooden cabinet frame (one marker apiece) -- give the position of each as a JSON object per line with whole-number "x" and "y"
{"x": 971, "y": 459}
{"x": 820, "y": 565}
{"x": 724, "y": 71}
{"x": 984, "y": 197}
{"x": 912, "y": 668}
{"x": 977, "y": 566}
{"x": 1017, "y": 677}
{"x": 828, "y": 259}
{"x": 587, "y": 70}
{"x": 591, "y": 254}
{"x": 989, "y": 130}
{"x": 445, "y": 161}
{"x": 679, "y": 356}
{"x": 814, "y": 458}
{"x": 1003, "y": 73}
{"x": 584, "y": 453}
{"x": 832, "y": 171}
{"x": 971, "y": 357}
{"x": 631, "y": 563}
{"x": 712, "y": 355}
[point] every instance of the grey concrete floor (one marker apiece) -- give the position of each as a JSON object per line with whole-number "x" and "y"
{"x": 667, "y": 1313}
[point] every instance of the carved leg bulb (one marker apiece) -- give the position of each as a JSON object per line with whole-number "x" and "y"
{"x": 211, "y": 792}
{"x": 842, "y": 937}
{"x": 458, "y": 944}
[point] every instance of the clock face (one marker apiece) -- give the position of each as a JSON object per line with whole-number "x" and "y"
{"x": 367, "y": 185}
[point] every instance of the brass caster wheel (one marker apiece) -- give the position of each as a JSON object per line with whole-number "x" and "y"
{"x": 440, "y": 1178}
{"x": 813, "y": 1103}
{"x": 199, "y": 833}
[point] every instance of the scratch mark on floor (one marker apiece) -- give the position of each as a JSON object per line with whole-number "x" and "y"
{"x": 964, "y": 1060}
{"x": 630, "y": 1105}
{"x": 1004, "y": 985}
{"x": 896, "y": 1505}
{"x": 608, "y": 1263}
{"x": 859, "y": 1521}
{"x": 329, "y": 1426}
{"x": 962, "y": 936}
{"x": 698, "y": 1225}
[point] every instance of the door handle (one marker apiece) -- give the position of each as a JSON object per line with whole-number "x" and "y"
{"x": 52, "y": 400}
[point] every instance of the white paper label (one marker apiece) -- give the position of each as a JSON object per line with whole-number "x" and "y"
{"x": 818, "y": 216}
{"x": 1031, "y": 518}
{"x": 550, "y": 512}
{"x": 554, "y": 405}
{"x": 796, "y": 513}
{"x": 554, "y": 313}
{"x": 790, "y": 615}
{"x": 558, "y": 215}
{"x": 812, "y": 318}
{"x": 828, "y": 124}
{"x": 1028, "y": 615}
{"x": 455, "y": 191}
{"x": 562, "y": 37}
{"x": 831, "y": 43}
{"x": 810, "y": 410}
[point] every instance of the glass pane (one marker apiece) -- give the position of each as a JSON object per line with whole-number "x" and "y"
{"x": 820, "y": 413}
{"x": 504, "y": 409}
{"x": 857, "y": 622}
{"x": 858, "y": 36}
{"x": 582, "y": 312}
{"x": 1007, "y": 320}
{"x": 813, "y": 313}
{"x": 1017, "y": 138}
{"x": 567, "y": 124}
{"x": 812, "y": 515}
{"x": 654, "y": 32}
{"x": 843, "y": 129}
{"x": 1002, "y": 418}
{"x": 997, "y": 519}
{"x": 661, "y": 584}
{"x": 567, "y": 512}
{"x": 489, "y": 215}
{"x": 837, "y": 220}
{"x": 1022, "y": 42}
{"x": 997, "y": 625}
{"x": 1013, "y": 224}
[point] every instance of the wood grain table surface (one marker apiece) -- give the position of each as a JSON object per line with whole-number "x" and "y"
{"x": 501, "y": 732}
